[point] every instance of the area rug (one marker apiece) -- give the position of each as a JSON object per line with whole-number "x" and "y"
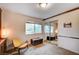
{"x": 46, "y": 49}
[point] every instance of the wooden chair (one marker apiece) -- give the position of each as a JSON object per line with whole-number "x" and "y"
{"x": 19, "y": 45}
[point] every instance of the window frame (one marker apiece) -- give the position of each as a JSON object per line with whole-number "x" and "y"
{"x": 33, "y": 29}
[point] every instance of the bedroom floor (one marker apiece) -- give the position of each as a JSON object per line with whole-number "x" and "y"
{"x": 47, "y": 49}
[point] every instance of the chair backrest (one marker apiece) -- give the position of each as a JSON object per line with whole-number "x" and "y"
{"x": 17, "y": 42}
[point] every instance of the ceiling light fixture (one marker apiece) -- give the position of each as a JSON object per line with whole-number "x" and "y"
{"x": 43, "y": 5}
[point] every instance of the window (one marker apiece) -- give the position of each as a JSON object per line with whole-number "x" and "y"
{"x": 38, "y": 28}
{"x": 29, "y": 28}
{"x": 48, "y": 29}
{"x": 32, "y": 28}
{"x": 52, "y": 29}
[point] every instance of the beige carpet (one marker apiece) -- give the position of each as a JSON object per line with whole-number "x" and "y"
{"x": 47, "y": 49}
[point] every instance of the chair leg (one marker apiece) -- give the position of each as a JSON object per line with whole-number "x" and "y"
{"x": 27, "y": 46}
{"x": 19, "y": 51}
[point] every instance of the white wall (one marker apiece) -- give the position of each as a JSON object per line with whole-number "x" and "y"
{"x": 15, "y": 23}
{"x": 68, "y": 43}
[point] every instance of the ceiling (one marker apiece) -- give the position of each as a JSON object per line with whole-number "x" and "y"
{"x": 34, "y": 10}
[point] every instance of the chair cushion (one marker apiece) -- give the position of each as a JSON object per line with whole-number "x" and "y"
{"x": 23, "y": 45}
{"x": 17, "y": 42}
